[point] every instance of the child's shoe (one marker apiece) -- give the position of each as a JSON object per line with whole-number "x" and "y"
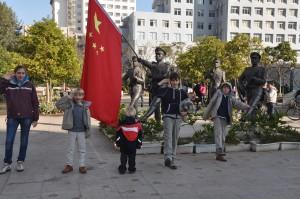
{"x": 6, "y": 168}
{"x": 20, "y": 166}
{"x": 132, "y": 170}
{"x": 122, "y": 169}
{"x": 221, "y": 158}
{"x": 82, "y": 170}
{"x": 67, "y": 169}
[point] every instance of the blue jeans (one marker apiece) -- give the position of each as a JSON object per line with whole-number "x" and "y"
{"x": 12, "y": 126}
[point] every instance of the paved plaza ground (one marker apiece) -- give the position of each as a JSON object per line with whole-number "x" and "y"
{"x": 247, "y": 175}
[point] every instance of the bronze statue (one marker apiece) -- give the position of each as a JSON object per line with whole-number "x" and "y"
{"x": 217, "y": 77}
{"x": 251, "y": 82}
{"x": 136, "y": 76}
{"x": 160, "y": 71}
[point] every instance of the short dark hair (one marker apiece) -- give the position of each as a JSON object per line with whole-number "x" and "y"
{"x": 20, "y": 67}
{"x": 134, "y": 58}
{"x": 255, "y": 54}
{"x": 174, "y": 76}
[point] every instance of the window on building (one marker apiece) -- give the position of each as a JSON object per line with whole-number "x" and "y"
{"x": 165, "y": 23}
{"x": 292, "y": 25}
{"x": 283, "y": 1}
{"x": 177, "y": 1}
{"x": 166, "y": 36}
{"x": 117, "y": 14}
{"x": 295, "y": 1}
{"x": 293, "y": 12}
{"x": 131, "y": 8}
{"x": 177, "y": 24}
{"x": 201, "y": 2}
{"x": 270, "y": 24}
{"x": 189, "y": 12}
{"x": 189, "y": 1}
{"x": 269, "y": 38}
{"x": 270, "y": 11}
{"x": 282, "y": 12}
{"x": 153, "y": 22}
{"x": 212, "y": 13}
{"x": 110, "y": 6}
{"x": 259, "y": 11}
{"x": 260, "y": 1}
{"x": 124, "y": 14}
{"x": 153, "y": 35}
{"x": 246, "y": 23}
{"x": 177, "y": 37}
{"x": 257, "y": 35}
{"x": 141, "y": 50}
{"x": 200, "y": 25}
{"x": 189, "y": 37}
{"x": 110, "y": 13}
{"x": 247, "y": 10}
{"x": 271, "y": 1}
{"x": 177, "y": 11}
{"x": 201, "y": 13}
{"x": 210, "y": 26}
{"x": 235, "y": 10}
{"x": 292, "y": 38}
{"x": 189, "y": 24}
{"x": 233, "y": 35}
{"x": 258, "y": 24}
{"x": 279, "y": 38}
{"x": 117, "y": 6}
{"x": 210, "y": 2}
{"x": 124, "y": 7}
{"x": 234, "y": 23}
{"x": 281, "y": 25}
{"x": 141, "y": 22}
{"x": 141, "y": 35}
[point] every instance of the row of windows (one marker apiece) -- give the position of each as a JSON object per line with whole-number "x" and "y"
{"x": 268, "y": 11}
{"x": 188, "y": 12}
{"x": 165, "y": 23}
{"x": 201, "y": 26}
{"x": 202, "y": 2}
{"x": 165, "y": 36}
{"x": 187, "y": 1}
{"x": 211, "y": 13}
{"x": 131, "y": 1}
{"x": 111, "y": 6}
{"x": 272, "y": 1}
{"x": 269, "y": 38}
{"x": 235, "y": 23}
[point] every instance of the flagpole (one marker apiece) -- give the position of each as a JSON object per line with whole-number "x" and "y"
{"x": 130, "y": 46}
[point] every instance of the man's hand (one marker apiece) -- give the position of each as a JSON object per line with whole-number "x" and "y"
{"x": 183, "y": 114}
{"x": 8, "y": 76}
{"x": 34, "y": 124}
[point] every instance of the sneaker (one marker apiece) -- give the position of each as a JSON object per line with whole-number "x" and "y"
{"x": 122, "y": 169}
{"x": 167, "y": 162}
{"x": 20, "y": 166}
{"x": 67, "y": 169}
{"x": 6, "y": 168}
{"x": 82, "y": 170}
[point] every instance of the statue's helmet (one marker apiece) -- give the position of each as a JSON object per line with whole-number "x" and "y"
{"x": 159, "y": 49}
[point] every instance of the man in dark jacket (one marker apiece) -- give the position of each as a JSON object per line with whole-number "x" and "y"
{"x": 22, "y": 109}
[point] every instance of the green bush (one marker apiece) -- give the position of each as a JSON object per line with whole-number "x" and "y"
{"x": 205, "y": 135}
{"x": 152, "y": 130}
{"x": 48, "y": 108}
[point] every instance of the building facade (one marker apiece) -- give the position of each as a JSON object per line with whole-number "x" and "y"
{"x": 71, "y": 15}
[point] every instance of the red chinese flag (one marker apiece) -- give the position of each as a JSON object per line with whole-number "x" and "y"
{"x": 102, "y": 70}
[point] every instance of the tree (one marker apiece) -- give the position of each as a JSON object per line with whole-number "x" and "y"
{"x": 237, "y": 52}
{"x": 9, "y": 27}
{"x": 53, "y": 56}
{"x": 281, "y": 57}
{"x": 198, "y": 60}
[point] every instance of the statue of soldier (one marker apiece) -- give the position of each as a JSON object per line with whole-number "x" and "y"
{"x": 251, "y": 82}
{"x": 159, "y": 71}
{"x": 136, "y": 76}
{"x": 217, "y": 77}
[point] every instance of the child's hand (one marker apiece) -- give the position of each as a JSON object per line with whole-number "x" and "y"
{"x": 8, "y": 76}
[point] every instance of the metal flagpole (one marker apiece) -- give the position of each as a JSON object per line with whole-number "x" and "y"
{"x": 129, "y": 45}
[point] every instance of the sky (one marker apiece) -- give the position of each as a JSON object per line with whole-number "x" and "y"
{"x": 29, "y": 11}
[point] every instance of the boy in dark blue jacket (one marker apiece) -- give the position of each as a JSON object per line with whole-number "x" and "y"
{"x": 129, "y": 138}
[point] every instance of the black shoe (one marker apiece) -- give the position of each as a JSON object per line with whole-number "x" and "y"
{"x": 122, "y": 169}
{"x": 173, "y": 166}
{"x": 221, "y": 158}
{"x": 167, "y": 162}
{"x": 132, "y": 170}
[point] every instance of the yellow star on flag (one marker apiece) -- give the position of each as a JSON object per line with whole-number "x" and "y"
{"x": 94, "y": 45}
{"x": 97, "y": 23}
{"x": 102, "y": 49}
{"x": 90, "y": 34}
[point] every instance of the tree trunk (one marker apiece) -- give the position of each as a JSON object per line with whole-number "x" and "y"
{"x": 47, "y": 92}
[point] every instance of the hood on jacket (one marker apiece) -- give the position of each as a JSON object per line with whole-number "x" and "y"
{"x": 17, "y": 82}
{"x": 226, "y": 84}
